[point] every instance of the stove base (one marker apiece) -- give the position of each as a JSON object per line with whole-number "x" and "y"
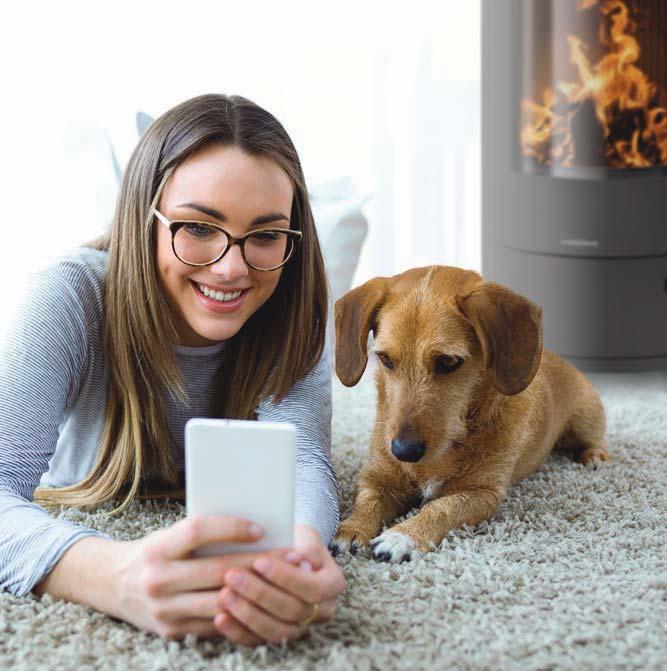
{"x": 613, "y": 365}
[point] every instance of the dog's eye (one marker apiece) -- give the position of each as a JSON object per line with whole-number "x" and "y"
{"x": 386, "y": 361}
{"x": 447, "y": 363}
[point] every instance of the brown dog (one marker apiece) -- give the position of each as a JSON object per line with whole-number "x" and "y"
{"x": 467, "y": 404}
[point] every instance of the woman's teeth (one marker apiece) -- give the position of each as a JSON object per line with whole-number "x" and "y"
{"x": 218, "y": 295}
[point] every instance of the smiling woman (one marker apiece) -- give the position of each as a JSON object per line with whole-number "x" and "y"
{"x": 191, "y": 252}
{"x": 206, "y": 297}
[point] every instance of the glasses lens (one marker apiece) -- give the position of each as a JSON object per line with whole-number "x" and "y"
{"x": 199, "y": 243}
{"x": 267, "y": 249}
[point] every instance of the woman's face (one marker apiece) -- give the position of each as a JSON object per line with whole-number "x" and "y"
{"x": 234, "y": 188}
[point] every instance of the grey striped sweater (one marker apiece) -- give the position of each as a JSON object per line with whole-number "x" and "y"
{"x": 52, "y": 397}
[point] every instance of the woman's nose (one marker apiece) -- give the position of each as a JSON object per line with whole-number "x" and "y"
{"x": 231, "y": 265}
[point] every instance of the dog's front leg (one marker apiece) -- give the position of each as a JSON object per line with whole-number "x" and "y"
{"x": 425, "y": 530}
{"x": 374, "y": 507}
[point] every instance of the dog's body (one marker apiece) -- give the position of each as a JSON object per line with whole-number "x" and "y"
{"x": 468, "y": 403}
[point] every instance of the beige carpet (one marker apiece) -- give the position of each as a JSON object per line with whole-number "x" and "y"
{"x": 571, "y": 573}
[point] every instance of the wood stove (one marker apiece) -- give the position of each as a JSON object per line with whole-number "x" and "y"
{"x": 574, "y": 172}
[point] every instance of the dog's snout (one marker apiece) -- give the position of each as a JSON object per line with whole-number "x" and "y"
{"x": 407, "y": 450}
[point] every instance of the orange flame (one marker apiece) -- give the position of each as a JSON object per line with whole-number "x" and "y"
{"x": 620, "y": 93}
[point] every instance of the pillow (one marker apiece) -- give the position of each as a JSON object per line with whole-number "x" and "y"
{"x": 339, "y": 220}
{"x": 341, "y": 229}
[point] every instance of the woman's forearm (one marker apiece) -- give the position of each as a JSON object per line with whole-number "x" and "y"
{"x": 87, "y": 573}
{"x": 306, "y": 534}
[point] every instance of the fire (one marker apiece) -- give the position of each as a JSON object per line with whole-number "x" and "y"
{"x": 622, "y": 99}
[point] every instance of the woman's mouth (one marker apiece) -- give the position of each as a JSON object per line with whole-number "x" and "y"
{"x": 219, "y": 301}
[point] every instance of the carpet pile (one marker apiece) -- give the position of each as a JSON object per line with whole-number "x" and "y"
{"x": 571, "y": 573}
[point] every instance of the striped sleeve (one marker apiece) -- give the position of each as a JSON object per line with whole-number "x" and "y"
{"x": 308, "y": 406}
{"x": 42, "y": 360}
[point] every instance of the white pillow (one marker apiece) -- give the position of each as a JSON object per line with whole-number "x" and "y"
{"x": 341, "y": 228}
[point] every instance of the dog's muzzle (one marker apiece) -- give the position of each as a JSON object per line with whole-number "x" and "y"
{"x": 407, "y": 450}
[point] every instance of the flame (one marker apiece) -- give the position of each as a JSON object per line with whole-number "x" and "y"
{"x": 621, "y": 95}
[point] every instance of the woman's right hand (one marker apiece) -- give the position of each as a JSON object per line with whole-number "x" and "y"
{"x": 162, "y": 589}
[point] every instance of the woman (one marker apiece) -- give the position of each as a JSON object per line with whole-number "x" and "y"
{"x": 207, "y": 297}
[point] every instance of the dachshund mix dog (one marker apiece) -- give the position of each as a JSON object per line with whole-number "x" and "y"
{"x": 468, "y": 403}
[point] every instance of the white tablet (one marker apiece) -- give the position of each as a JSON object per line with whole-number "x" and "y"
{"x": 244, "y": 468}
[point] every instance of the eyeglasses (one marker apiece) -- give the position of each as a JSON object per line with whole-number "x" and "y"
{"x": 200, "y": 243}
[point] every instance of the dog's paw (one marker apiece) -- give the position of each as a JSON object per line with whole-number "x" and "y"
{"x": 347, "y": 539}
{"x": 392, "y": 546}
{"x": 341, "y": 545}
{"x": 594, "y": 457}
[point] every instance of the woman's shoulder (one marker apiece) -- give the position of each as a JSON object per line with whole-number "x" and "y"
{"x": 60, "y": 311}
{"x": 65, "y": 296}
{"x": 77, "y": 274}
{"x": 79, "y": 266}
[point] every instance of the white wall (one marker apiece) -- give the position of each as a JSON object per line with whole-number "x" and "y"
{"x": 385, "y": 93}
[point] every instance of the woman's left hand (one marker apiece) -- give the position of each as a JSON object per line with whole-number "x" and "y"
{"x": 273, "y": 602}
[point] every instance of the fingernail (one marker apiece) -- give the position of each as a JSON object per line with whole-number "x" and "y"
{"x": 306, "y": 565}
{"x": 263, "y": 565}
{"x": 255, "y": 530}
{"x": 292, "y": 557}
{"x": 235, "y": 579}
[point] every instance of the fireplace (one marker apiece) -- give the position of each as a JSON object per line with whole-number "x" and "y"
{"x": 593, "y": 88}
{"x": 574, "y": 172}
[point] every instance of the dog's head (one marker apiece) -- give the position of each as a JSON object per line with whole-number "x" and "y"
{"x": 439, "y": 333}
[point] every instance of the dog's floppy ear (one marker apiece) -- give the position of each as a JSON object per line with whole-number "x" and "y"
{"x": 509, "y": 328}
{"x": 355, "y": 314}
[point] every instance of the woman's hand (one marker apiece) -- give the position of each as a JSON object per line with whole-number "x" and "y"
{"x": 269, "y": 602}
{"x": 161, "y": 588}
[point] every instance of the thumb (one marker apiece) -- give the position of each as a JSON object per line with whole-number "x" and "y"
{"x": 312, "y": 554}
{"x": 306, "y": 558}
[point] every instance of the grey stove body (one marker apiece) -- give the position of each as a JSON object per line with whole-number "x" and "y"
{"x": 574, "y": 210}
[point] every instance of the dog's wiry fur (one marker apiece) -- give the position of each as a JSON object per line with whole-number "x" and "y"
{"x": 485, "y": 425}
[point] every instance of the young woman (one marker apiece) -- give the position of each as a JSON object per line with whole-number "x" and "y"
{"x": 207, "y": 297}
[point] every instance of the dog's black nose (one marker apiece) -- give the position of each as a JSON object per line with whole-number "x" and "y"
{"x": 407, "y": 450}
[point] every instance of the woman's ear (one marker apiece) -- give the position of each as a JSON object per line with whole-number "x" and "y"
{"x": 355, "y": 315}
{"x": 509, "y": 329}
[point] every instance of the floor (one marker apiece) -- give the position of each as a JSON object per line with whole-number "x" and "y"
{"x": 616, "y": 384}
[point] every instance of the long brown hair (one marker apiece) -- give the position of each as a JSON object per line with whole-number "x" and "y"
{"x": 276, "y": 346}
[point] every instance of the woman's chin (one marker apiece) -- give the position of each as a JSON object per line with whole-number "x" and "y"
{"x": 216, "y": 335}
{"x": 202, "y": 333}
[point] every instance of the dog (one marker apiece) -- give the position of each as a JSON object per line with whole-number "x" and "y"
{"x": 468, "y": 403}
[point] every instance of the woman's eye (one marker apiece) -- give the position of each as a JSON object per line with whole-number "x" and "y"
{"x": 198, "y": 230}
{"x": 447, "y": 363}
{"x": 386, "y": 361}
{"x": 267, "y": 237}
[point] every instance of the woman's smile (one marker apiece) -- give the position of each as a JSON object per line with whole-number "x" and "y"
{"x": 217, "y": 300}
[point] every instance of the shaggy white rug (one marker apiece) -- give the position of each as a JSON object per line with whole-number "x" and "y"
{"x": 571, "y": 573}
